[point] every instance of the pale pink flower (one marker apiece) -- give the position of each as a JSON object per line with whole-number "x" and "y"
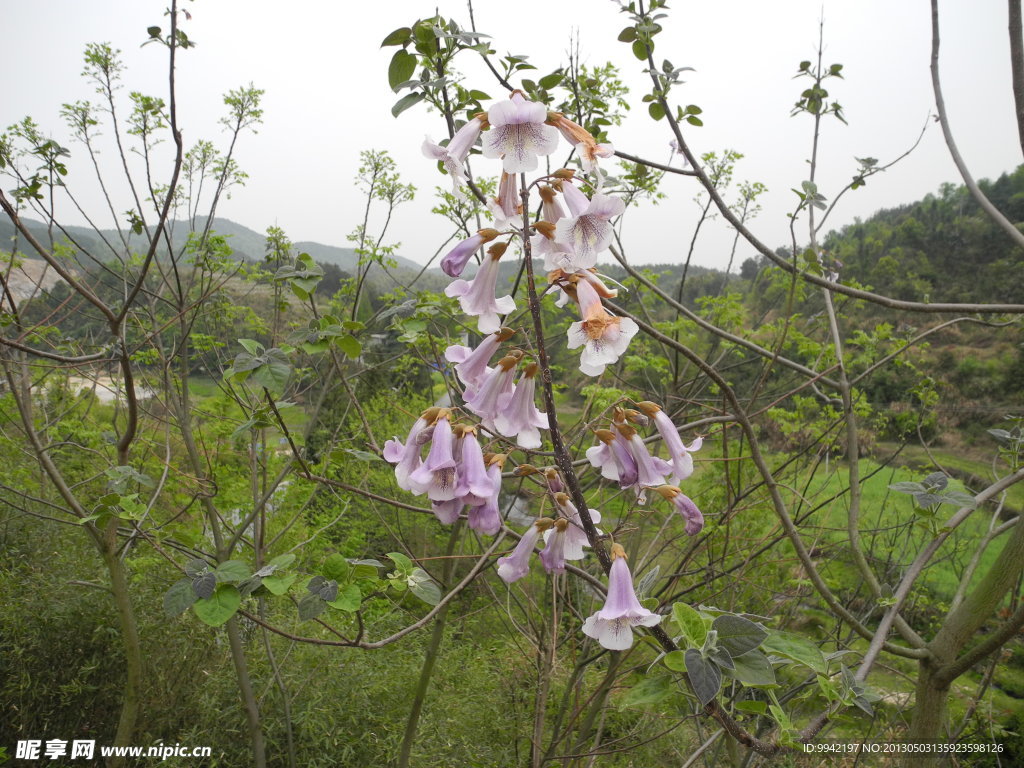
{"x": 453, "y": 156}
{"x": 684, "y": 506}
{"x": 603, "y": 336}
{"x": 612, "y": 626}
{"x": 456, "y": 259}
{"x": 477, "y": 295}
{"x": 651, "y": 470}
{"x": 406, "y": 457}
{"x": 518, "y": 133}
{"x": 553, "y": 554}
{"x": 520, "y": 418}
{"x": 590, "y": 231}
{"x": 613, "y": 457}
{"x": 682, "y": 461}
{"x": 471, "y": 364}
{"x": 506, "y": 208}
{"x": 494, "y": 390}
{"x": 516, "y": 565}
{"x": 575, "y": 537}
{"x": 586, "y": 145}
{"x": 436, "y": 476}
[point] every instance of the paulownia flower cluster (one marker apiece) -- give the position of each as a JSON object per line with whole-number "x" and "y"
{"x": 445, "y": 454}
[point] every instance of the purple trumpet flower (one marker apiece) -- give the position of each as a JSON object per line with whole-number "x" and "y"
{"x": 516, "y": 565}
{"x": 406, "y": 458}
{"x": 603, "y": 336}
{"x": 447, "y": 512}
{"x": 505, "y": 208}
{"x": 651, "y": 470}
{"x": 550, "y": 209}
{"x": 613, "y": 458}
{"x": 453, "y": 156}
{"x": 477, "y": 295}
{"x": 612, "y": 626}
{"x": 575, "y": 537}
{"x": 590, "y": 231}
{"x": 436, "y": 476}
{"x": 520, "y": 418}
{"x": 684, "y": 506}
{"x": 518, "y": 133}
{"x": 494, "y": 390}
{"x": 682, "y": 461}
{"x": 456, "y": 259}
{"x": 485, "y": 517}
{"x": 471, "y": 364}
{"x": 586, "y": 145}
{"x": 553, "y": 555}
{"x": 474, "y": 484}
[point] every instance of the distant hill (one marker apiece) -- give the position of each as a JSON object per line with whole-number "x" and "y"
{"x": 245, "y": 243}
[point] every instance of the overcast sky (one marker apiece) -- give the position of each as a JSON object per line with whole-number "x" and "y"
{"x": 327, "y": 98}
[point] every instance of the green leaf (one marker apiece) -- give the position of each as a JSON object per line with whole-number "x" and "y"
{"x": 655, "y": 110}
{"x": 400, "y": 36}
{"x": 310, "y": 607}
{"x": 628, "y": 35}
{"x": 204, "y": 585}
{"x": 349, "y": 345}
{"x": 283, "y": 561}
{"x": 705, "y": 677}
{"x": 753, "y": 668}
{"x": 796, "y": 648}
{"x": 274, "y": 372}
{"x": 550, "y": 81}
{"x": 401, "y": 69}
{"x": 424, "y": 587}
{"x": 650, "y": 690}
{"x": 179, "y": 597}
{"x": 402, "y": 563}
{"x": 675, "y": 660}
{"x": 405, "y": 102}
{"x": 738, "y": 635}
{"x": 349, "y": 599}
{"x": 232, "y": 570}
{"x": 196, "y": 567}
{"x": 640, "y": 50}
{"x": 337, "y": 567}
{"x": 219, "y": 607}
{"x": 690, "y": 624}
{"x": 250, "y": 346}
{"x": 279, "y": 583}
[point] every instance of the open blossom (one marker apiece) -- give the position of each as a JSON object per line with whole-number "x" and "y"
{"x": 471, "y": 364}
{"x": 557, "y": 256}
{"x": 406, "y": 457}
{"x": 454, "y": 155}
{"x": 477, "y": 295}
{"x": 520, "y": 418}
{"x": 519, "y": 134}
{"x": 550, "y": 209}
{"x": 436, "y": 476}
{"x": 589, "y": 231}
{"x": 684, "y": 506}
{"x": 613, "y": 457}
{"x": 682, "y": 461}
{"x": 612, "y": 626}
{"x": 456, "y": 259}
{"x": 603, "y": 336}
{"x": 516, "y": 565}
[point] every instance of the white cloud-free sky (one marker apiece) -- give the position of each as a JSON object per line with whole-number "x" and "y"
{"x": 327, "y": 98}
